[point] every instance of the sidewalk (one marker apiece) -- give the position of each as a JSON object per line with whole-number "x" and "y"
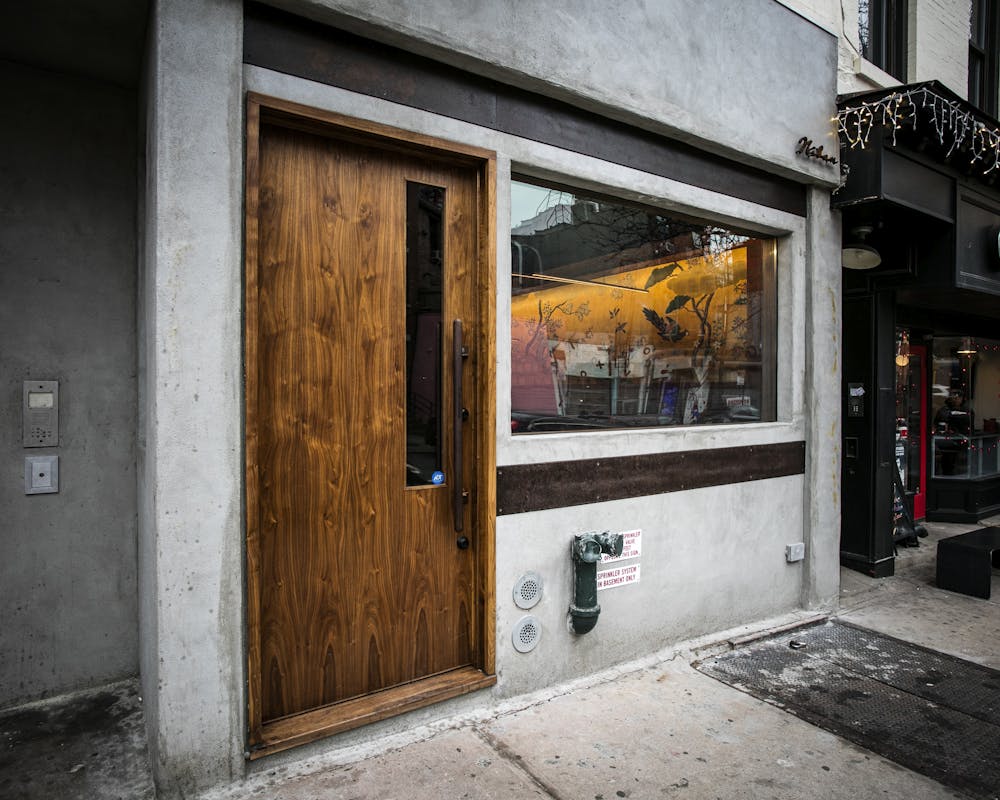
{"x": 909, "y": 606}
{"x": 659, "y": 728}
{"x": 656, "y": 728}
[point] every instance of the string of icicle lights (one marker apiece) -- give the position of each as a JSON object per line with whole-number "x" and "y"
{"x": 955, "y": 127}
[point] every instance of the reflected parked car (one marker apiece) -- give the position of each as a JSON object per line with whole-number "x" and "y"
{"x": 526, "y": 422}
{"x": 734, "y": 414}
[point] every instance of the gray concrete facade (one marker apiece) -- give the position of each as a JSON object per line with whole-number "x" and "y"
{"x": 67, "y": 313}
{"x": 650, "y": 728}
{"x": 715, "y": 557}
{"x": 190, "y": 490}
{"x": 823, "y": 455}
{"x": 730, "y": 77}
{"x": 747, "y": 83}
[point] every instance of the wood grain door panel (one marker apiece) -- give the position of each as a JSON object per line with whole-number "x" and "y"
{"x": 357, "y": 584}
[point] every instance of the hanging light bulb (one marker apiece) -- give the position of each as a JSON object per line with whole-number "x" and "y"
{"x": 903, "y": 349}
{"x": 968, "y": 347}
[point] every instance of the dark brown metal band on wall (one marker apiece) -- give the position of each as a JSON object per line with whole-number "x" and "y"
{"x": 536, "y": 487}
{"x": 279, "y": 41}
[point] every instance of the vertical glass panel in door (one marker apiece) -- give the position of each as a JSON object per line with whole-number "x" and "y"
{"x": 424, "y": 273}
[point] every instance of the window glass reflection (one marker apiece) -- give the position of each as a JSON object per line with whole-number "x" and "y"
{"x": 965, "y": 406}
{"x": 424, "y": 260}
{"x": 622, "y": 316}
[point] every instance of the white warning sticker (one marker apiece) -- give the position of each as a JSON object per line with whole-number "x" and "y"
{"x": 633, "y": 547}
{"x": 617, "y": 576}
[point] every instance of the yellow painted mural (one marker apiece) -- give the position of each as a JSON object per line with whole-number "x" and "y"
{"x": 666, "y": 307}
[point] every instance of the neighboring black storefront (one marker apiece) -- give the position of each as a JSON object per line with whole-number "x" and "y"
{"x": 921, "y": 329}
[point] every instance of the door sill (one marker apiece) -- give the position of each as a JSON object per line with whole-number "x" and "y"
{"x": 329, "y": 720}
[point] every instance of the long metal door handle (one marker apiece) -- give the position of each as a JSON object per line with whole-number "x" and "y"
{"x": 459, "y": 415}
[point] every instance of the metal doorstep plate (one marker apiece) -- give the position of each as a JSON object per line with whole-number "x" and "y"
{"x": 936, "y": 715}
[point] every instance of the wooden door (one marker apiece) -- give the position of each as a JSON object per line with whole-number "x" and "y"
{"x": 365, "y": 422}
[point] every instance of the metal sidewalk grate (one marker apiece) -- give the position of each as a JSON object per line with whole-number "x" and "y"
{"x": 936, "y": 715}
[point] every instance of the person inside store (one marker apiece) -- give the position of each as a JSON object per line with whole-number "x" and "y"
{"x": 953, "y": 419}
{"x": 953, "y": 416}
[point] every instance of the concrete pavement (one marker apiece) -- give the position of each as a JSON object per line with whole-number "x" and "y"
{"x": 655, "y": 728}
{"x": 658, "y": 728}
{"x": 910, "y": 607}
{"x": 659, "y": 731}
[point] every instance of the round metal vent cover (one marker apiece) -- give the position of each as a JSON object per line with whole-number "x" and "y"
{"x": 528, "y": 590}
{"x": 527, "y": 631}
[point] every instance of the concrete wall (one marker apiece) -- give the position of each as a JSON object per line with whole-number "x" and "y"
{"x": 704, "y": 72}
{"x": 712, "y": 558}
{"x": 840, "y": 18}
{"x": 825, "y": 13}
{"x": 67, "y": 313}
{"x": 190, "y": 483}
{"x": 823, "y": 324}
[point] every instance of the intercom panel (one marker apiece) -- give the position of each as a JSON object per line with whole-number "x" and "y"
{"x": 855, "y": 399}
{"x": 40, "y": 414}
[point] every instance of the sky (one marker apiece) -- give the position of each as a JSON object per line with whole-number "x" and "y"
{"x": 526, "y": 201}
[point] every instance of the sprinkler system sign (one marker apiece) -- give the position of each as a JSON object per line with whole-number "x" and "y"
{"x": 632, "y": 549}
{"x": 617, "y": 576}
{"x": 622, "y": 576}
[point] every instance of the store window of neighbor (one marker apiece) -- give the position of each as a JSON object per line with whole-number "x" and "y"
{"x": 623, "y": 316}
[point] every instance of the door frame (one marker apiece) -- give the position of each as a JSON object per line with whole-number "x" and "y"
{"x": 265, "y": 738}
{"x": 926, "y": 431}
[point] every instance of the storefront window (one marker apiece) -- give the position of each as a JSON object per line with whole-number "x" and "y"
{"x": 622, "y": 316}
{"x": 909, "y": 405}
{"x": 965, "y": 403}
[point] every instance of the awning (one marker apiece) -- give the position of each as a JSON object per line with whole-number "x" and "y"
{"x": 926, "y": 115}
{"x": 922, "y": 173}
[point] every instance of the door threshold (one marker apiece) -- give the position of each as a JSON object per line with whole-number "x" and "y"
{"x": 308, "y": 726}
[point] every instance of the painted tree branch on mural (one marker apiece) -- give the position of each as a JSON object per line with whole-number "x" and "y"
{"x": 713, "y": 332}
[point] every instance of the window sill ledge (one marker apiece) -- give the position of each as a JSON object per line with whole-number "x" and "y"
{"x": 863, "y": 68}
